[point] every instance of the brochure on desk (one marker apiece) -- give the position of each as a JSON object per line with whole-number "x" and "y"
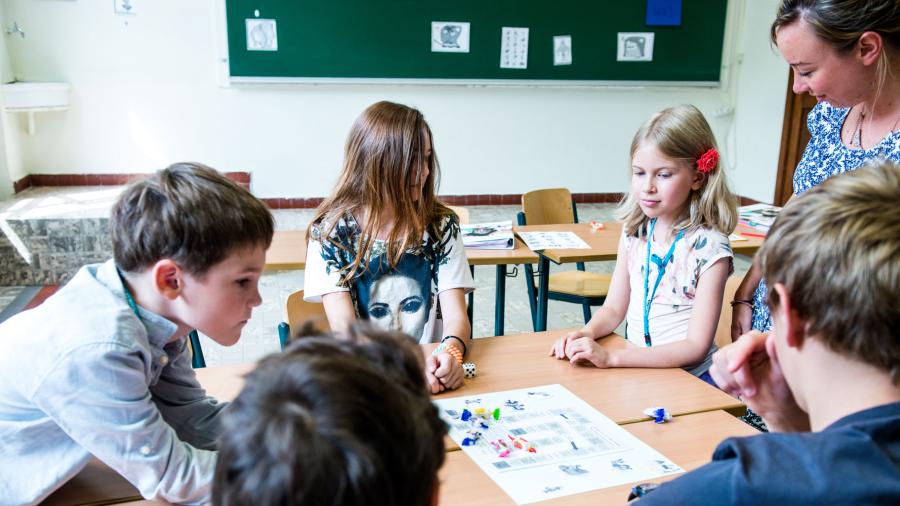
{"x": 495, "y": 235}
{"x": 759, "y": 216}
{"x": 548, "y": 443}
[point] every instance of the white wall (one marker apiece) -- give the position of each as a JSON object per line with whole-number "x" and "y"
{"x": 146, "y": 92}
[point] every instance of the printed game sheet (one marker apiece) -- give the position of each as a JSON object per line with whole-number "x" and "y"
{"x": 544, "y": 442}
{"x": 537, "y": 241}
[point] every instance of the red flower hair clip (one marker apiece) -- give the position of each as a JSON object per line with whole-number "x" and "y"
{"x": 708, "y": 161}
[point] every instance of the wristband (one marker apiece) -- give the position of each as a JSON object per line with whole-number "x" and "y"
{"x": 454, "y": 352}
{"x": 463, "y": 343}
{"x": 735, "y": 302}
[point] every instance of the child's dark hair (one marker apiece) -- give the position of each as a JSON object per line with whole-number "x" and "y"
{"x": 189, "y": 213}
{"x": 333, "y": 421}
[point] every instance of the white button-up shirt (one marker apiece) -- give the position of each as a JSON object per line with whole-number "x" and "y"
{"x": 82, "y": 375}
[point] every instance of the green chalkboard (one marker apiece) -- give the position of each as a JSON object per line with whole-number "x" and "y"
{"x": 320, "y": 40}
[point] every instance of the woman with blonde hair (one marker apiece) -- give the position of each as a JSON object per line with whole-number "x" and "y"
{"x": 846, "y": 53}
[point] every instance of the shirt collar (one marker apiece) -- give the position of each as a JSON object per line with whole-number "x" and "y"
{"x": 160, "y": 330}
{"x": 891, "y": 410}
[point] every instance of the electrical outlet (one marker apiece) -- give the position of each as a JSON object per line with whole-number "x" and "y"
{"x": 124, "y": 6}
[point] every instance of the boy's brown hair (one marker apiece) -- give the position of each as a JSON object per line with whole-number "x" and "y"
{"x": 333, "y": 421}
{"x": 190, "y": 213}
{"x": 836, "y": 249}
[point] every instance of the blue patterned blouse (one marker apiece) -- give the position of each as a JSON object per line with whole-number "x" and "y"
{"x": 825, "y": 156}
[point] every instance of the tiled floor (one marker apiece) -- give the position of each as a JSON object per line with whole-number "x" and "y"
{"x": 260, "y": 335}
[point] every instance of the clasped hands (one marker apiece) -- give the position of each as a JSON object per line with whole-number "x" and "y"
{"x": 579, "y": 347}
{"x": 443, "y": 372}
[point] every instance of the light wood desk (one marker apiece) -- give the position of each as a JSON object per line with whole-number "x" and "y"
{"x": 288, "y": 251}
{"x": 688, "y": 441}
{"x": 603, "y": 244}
{"x": 521, "y": 361}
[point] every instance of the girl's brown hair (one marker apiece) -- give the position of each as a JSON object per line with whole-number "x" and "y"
{"x": 682, "y": 134}
{"x": 383, "y": 161}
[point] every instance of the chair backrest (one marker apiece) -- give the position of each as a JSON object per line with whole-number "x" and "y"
{"x": 723, "y": 330}
{"x": 462, "y": 213}
{"x": 548, "y": 207}
{"x": 297, "y": 312}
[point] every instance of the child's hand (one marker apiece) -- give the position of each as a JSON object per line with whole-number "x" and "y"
{"x": 750, "y": 370}
{"x": 585, "y": 349}
{"x": 558, "y": 349}
{"x": 732, "y": 367}
{"x": 434, "y": 384}
{"x": 449, "y": 372}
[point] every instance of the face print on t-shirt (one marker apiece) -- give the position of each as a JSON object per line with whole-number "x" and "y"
{"x": 397, "y": 299}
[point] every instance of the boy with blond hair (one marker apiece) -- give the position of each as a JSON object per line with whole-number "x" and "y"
{"x": 827, "y": 378}
{"x": 102, "y": 367}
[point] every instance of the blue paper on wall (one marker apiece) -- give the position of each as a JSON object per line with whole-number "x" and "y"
{"x": 663, "y": 12}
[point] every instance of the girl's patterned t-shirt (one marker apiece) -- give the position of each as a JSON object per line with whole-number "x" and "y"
{"x": 402, "y": 298}
{"x": 670, "y": 310}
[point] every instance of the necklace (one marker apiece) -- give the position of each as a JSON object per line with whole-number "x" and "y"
{"x": 856, "y": 139}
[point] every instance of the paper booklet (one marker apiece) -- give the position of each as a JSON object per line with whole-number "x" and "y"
{"x": 759, "y": 216}
{"x": 495, "y": 235}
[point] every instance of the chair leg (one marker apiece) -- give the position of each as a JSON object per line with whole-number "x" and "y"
{"x": 587, "y": 312}
{"x": 284, "y": 334}
{"x": 532, "y": 295}
{"x": 197, "y": 360}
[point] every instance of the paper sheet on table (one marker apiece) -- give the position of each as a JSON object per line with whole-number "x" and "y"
{"x": 577, "y": 448}
{"x": 735, "y": 237}
{"x": 537, "y": 241}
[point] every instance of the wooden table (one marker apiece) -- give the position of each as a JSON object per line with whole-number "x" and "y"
{"x": 604, "y": 246}
{"x": 688, "y": 441}
{"x": 521, "y": 361}
{"x": 288, "y": 251}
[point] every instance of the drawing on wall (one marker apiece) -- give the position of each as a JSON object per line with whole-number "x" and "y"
{"x": 635, "y": 46}
{"x": 562, "y": 50}
{"x": 449, "y": 37}
{"x": 261, "y": 35}
{"x": 513, "y": 48}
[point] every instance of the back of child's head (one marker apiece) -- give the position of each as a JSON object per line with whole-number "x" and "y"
{"x": 836, "y": 249}
{"x": 188, "y": 213}
{"x": 384, "y": 159}
{"x": 333, "y": 421}
{"x": 683, "y": 135}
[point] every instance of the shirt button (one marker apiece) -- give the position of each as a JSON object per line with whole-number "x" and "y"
{"x": 145, "y": 450}
{"x": 164, "y": 359}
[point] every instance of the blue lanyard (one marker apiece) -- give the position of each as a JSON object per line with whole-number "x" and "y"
{"x": 128, "y": 298}
{"x": 660, "y": 271}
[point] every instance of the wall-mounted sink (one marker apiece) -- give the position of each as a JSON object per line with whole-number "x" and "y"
{"x": 35, "y": 96}
{"x": 32, "y": 97}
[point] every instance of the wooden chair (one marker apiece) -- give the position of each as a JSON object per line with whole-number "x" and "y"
{"x": 297, "y": 312}
{"x": 462, "y": 213}
{"x": 723, "y": 329}
{"x": 555, "y": 206}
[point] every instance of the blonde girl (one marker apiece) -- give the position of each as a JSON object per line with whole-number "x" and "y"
{"x": 674, "y": 255}
{"x": 383, "y": 248}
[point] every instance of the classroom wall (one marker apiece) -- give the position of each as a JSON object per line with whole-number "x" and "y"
{"x": 147, "y": 91}
{"x": 6, "y": 186}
